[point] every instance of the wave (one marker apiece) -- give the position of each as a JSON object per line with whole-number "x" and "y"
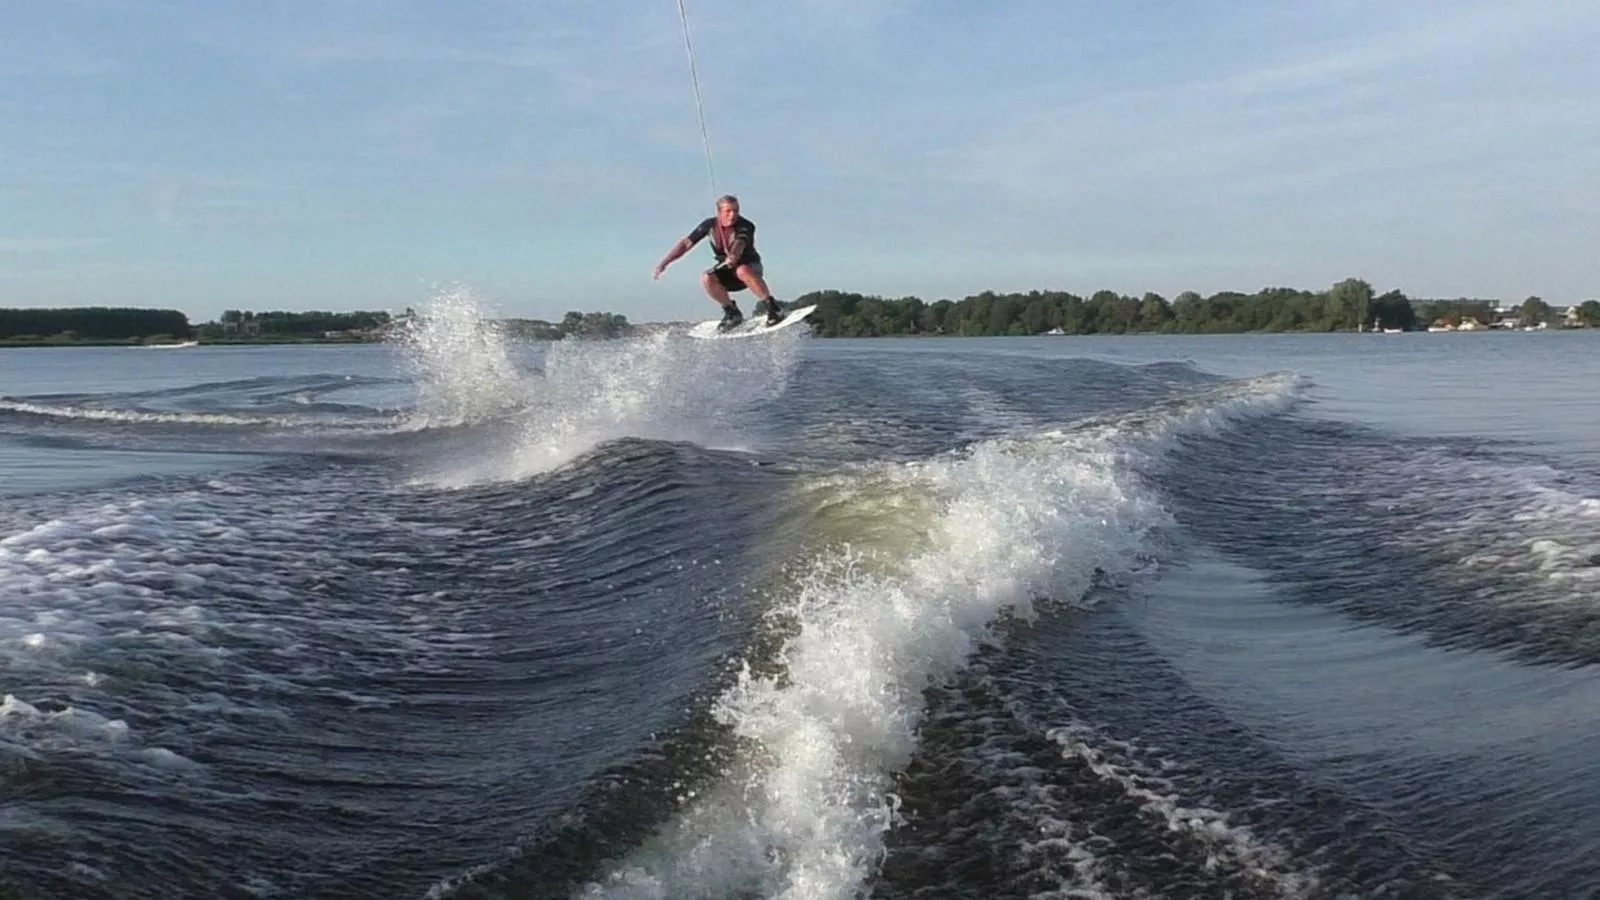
{"x": 97, "y": 414}
{"x": 285, "y": 401}
{"x": 1007, "y": 527}
{"x": 1466, "y": 544}
{"x": 236, "y": 621}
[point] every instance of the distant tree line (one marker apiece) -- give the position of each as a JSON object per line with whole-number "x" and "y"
{"x": 315, "y": 323}
{"x": 85, "y": 324}
{"x": 1346, "y": 306}
{"x": 1535, "y": 311}
{"x": 287, "y": 324}
{"x": 92, "y": 323}
{"x": 573, "y": 324}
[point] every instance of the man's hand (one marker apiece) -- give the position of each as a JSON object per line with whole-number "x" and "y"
{"x": 660, "y": 267}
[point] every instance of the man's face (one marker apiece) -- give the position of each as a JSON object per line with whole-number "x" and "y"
{"x": 726, "y": 214}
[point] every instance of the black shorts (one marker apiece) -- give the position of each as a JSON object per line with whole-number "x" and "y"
{"x": 729, "y": 280}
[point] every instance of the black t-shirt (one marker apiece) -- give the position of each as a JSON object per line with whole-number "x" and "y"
{"x": 741, "y": 238}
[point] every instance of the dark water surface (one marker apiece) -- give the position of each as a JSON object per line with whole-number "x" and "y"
{"x": 1243, "y": 616}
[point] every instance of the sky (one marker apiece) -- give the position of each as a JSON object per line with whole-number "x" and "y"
{"x": 543, "y": 155}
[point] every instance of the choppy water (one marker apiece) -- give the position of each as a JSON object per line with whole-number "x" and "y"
{"x": 1241, "y": 616}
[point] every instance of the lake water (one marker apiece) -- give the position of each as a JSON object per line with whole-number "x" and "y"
{"x": 1213, "y": 616}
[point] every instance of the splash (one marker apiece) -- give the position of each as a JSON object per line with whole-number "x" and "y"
{"x": 662, "y": 386}
{"x": 569, "y": 396}
{"x": 1005, "y": 526}
{"x": 461, "y": 363}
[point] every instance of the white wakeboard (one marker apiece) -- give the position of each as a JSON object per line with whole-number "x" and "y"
{"x": 753, "y": 325}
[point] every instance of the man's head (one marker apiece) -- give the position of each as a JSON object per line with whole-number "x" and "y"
{"x": 727, "y": 210}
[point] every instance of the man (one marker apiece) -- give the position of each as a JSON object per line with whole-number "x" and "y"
{"x": 733, "y": 243}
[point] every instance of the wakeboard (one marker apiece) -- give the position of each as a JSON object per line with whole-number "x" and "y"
{"x": 752, "y": 326}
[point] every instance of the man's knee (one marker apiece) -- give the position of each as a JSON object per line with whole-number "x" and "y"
{"x": 747, "y": 273}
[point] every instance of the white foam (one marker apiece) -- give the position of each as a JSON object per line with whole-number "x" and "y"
{"x": 26, "y": 731}
{"x": 79, "y": 724}
{"x": 1234, "y": 846}
{"x": 803, "y": 814}
{"x": 84, "y": 870}
{"x": 1527, "y": 526}
{"x": 116, "y": 574}
{"x": 168, "y": 418}
{"x": 162, "y": 758}
{"x": 662, "y": 386}
{"x": 461, "y": 363}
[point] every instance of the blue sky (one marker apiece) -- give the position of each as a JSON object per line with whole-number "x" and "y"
{"x": 544, "y": 154}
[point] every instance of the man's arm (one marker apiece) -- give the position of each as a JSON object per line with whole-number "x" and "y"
{"x": 684, "y": 245}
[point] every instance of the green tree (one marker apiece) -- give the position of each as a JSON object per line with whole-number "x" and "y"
{"x": 1033, "y": 316}
{"x": 933, "y": 316}
{"x": 1347, "y": 304}
{"x": 1002, "y": 313}
{"x": 1188, "y": 311}
{"x": 597, "y": 325}
{"x": 98, "y": 323}
{"x": 1534, "y": 312}
{"x": 1154, "y": 313}
{"x": 1393, "y": 310}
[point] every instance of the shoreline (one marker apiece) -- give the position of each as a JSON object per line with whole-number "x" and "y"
{"x": 135, "y": 344}
{"x": 7, "y": 344}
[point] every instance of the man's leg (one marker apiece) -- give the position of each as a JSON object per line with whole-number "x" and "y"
{"x": 714, "y": 289}
{"x": 752, "y": 277}
{"x": 711, "y": 280}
